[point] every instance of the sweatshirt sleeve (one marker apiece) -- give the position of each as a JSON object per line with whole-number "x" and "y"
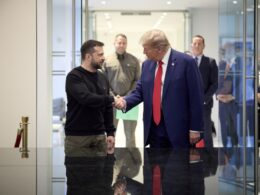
{"x": 109, "y": 116}
{"x": 109, "y": 122}
{"x": 78, "y": 90}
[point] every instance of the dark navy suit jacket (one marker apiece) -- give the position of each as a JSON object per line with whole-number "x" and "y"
{"x": 209, "y": 73}
{"x": 182, "y": 97}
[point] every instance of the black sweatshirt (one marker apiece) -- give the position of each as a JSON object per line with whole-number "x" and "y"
{"x": 89, "y": 107}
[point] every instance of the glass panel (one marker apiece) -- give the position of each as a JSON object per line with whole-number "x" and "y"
{"x": 258, "y": 85}
{"x": 66, "y": 43}
{"x": 231, "y": 71}
{"x": 78, "y": 31}
{"x": 62, "y": 56}
{"x": 250, "y": 73}
{"x": 250, "y": 92}
{"x": 236, "y": 78}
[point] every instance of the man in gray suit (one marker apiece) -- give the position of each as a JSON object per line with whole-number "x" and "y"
{"x": 123, "y": 71}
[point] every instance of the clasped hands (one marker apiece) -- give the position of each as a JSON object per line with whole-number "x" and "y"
{"x": 119, "y": 102}
{"x": 225, "y": 98}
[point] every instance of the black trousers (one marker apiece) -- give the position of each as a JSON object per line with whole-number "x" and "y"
{"x": 228, "y": 122}
{"x": 207, "y": 135}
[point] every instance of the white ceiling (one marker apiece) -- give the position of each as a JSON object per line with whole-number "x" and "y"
{"x": 150, "y": 4}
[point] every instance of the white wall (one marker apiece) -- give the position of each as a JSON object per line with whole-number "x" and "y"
{"x": 18, "y": 93}
{"x": 18, "y": 69}
{"x": 134, "y": 26}
{"x": 205, "y": 22}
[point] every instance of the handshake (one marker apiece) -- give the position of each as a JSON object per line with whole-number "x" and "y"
{"x": 119, "y": 102}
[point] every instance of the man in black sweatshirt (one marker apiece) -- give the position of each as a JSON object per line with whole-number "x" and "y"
{"x": 89, "y": 117}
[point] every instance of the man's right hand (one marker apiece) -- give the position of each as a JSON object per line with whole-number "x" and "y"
{"x": 119, "y": 102}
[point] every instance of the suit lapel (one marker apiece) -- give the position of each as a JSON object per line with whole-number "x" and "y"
{"x": 169, "y": 72}
{"x": 202, "y": 63}
{"x": 152, "y": 68}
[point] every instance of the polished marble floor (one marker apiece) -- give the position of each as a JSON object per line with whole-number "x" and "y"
{"x": 128, "y": 171}
{"x": 131, "y": 171}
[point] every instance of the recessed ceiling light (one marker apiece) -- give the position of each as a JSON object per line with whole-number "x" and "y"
{"x": 234, "y": 2}
{"x": 103, "y": 2}
{"x": 168, "y": 2}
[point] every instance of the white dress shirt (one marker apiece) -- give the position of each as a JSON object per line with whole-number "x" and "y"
{"x": 165, "y": 61}
{"x": 199, "y": 59}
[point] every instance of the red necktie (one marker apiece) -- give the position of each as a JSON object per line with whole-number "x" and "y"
{"x": 157, "y": 94}
{"x": 156, "y": 180}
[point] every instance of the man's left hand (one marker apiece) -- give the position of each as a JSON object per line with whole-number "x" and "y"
{"x": 110, "y": 144}
{"x": 194, "y": 137}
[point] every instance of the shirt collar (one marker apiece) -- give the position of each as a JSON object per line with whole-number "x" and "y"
{"x": 199, "y": 57}
{"x": 166, "y": 56}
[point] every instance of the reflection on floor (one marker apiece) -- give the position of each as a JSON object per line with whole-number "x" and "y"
{"x": 195, "y": 171}
{"x": 218, "y": 171}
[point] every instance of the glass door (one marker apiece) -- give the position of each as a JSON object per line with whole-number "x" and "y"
{"x": 257, "y": 108}
{"x": 237, "y": 79}
{"x": 66, "y": 42}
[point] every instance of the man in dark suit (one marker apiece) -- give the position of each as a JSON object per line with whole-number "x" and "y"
{"x": 209, "y": 72}
{"x": 170, "y": 88}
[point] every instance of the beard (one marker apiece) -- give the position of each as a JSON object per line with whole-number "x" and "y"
{"x": 97, "y": 65}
